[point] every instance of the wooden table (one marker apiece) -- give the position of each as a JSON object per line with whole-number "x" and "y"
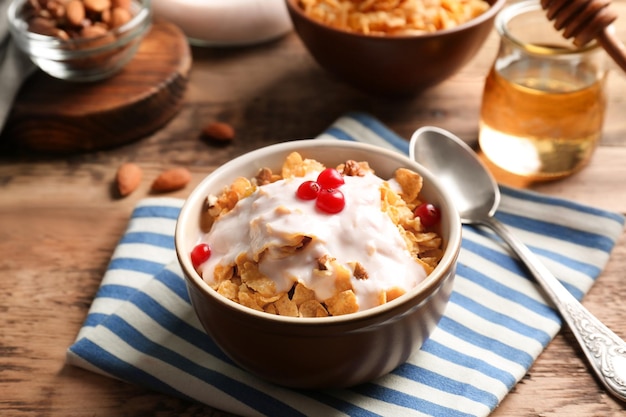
{"x": 60, "y": 220}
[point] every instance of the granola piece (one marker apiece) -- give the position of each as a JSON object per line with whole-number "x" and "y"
{"x": 353, "y": 168}
{"x": 359, "y": 271}
{"x": 323, "y": 262}
{"x": 264, "y": 176}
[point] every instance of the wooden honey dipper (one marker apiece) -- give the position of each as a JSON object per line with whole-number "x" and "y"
{"x": 585, "y": 20}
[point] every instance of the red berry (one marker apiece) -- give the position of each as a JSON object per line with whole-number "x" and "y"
{"x": 428, "y": 214}
{"x": 330, "y": 200}
{"x": 330, "y": 178}
{"x": 200, "y": 254}
{"x": 308, "y": 190}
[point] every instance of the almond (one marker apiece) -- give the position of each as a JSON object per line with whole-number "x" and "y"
{"x": 171, "y": 180}
{"x": 95, "y": 31}
{"x": 75, "y": 12}
{"x": 119, "y": 17}
{"x": 125, "y": 4}
{"x": 219, "y": 131}
{"x": 128, "y": 178}
{"x": 97, "y": 6}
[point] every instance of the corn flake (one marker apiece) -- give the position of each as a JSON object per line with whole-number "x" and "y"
{"x": 410, "y": 182}
{"x": 296, "y": 166}
{"x": 286, "y": 307}
{"x": 246, "y": 298}
{"x": 312, "y": 308}
{"x": 342, "y": 303}
{"x": 302, "y": 294}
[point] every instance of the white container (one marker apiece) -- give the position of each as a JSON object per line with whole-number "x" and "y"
{"x": 226, "y": 22}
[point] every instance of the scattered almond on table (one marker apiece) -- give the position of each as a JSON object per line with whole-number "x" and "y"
{"x": 219, "y": 131}
{"x": 171, "y": 180}
{"x": 128, "y": 178}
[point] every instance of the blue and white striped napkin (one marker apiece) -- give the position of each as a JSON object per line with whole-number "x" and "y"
{"x": 142, "y": 329}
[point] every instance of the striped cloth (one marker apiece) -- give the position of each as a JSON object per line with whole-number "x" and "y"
{"x": 142, "y": 329}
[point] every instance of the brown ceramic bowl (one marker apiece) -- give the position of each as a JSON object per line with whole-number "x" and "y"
{"x": 393, "y": 65}
{"x": 326, "y": 352}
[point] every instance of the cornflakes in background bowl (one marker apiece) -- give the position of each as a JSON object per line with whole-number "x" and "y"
{"x": 330, "y": 351}
{"x": 393, "y": 47}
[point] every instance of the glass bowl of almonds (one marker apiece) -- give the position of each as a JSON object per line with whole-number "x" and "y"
{"x": 319, "y": 263}
{"x": 79, "y": 40}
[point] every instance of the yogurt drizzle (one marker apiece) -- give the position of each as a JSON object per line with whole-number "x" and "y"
{"x": 272, "y": 218}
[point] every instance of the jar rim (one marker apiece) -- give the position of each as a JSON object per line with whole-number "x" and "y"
{"x": 516, "y": 9}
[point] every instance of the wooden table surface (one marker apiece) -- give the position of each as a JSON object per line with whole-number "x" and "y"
{"x": 60, "y": 220}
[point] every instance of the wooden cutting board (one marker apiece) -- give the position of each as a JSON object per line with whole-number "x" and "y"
{"x": 55, "y": 116}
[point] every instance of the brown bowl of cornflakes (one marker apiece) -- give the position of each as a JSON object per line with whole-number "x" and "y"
{"x": 319, "y": 263}
{"x": 397, "y": 47}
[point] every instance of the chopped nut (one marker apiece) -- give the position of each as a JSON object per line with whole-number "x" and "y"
{"x": 264, "y": 176}
{"x": 206, "y": 218}
{"x": 305, "y": 241}
{"x": 352, "y": 169}
{"x": 323, "y": 263}
{"x": 359, "y": 271}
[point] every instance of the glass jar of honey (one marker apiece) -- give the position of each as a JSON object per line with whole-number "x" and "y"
{"x": 543, "y": 102}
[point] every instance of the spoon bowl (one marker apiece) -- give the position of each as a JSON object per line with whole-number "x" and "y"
{"x": 476, "y": 196}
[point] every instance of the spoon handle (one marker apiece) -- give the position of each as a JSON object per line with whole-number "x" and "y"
{"x": 605, "y": 351}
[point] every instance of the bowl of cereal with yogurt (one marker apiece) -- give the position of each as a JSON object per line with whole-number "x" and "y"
{"x": 393, "y": 47}
{"x": 319, "y": 263}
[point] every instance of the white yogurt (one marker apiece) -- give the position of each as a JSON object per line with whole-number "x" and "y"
{"x": 226, "y": 22}
{"x": 272, "y": 216}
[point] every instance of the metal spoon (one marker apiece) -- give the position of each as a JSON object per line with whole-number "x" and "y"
{"x": 477, "y": 196}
